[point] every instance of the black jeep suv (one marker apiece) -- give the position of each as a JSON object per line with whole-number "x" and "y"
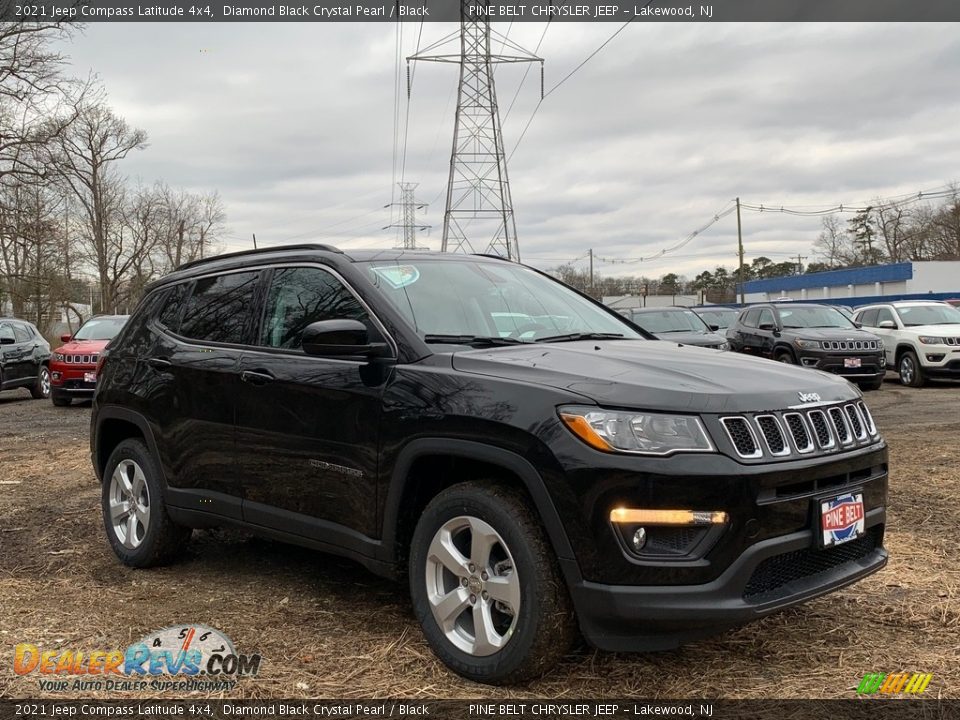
{"x": 531, "y": 461}
{"x": 814, "y": 336}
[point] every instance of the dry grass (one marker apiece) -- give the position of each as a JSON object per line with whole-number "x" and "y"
{"x": 327, "y": 628}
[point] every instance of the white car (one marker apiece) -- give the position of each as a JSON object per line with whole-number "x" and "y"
{"x": 921, "y": 338}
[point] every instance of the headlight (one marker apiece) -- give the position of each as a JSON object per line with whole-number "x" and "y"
{"x": 58, "y": 357}
{"x": 723, "y": 346}
{"x": 644, "y": 433}
{"x": 931, "y": 340}
{"x": 808, "y": 344}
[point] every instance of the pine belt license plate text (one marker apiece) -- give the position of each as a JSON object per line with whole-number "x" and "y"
{"x": 90, "y": 377}
{"x": 851, "y": 362}
{"x": 841, "y": 519}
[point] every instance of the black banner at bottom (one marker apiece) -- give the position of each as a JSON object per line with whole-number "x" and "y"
{"x": 855, "y": 709}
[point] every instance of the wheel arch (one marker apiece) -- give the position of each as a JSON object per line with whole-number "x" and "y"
{"x": 412, "y": 487}
{"x": 903, "y": 347}
{"x": 113, "y": 426}
{"x": 782, "y": 347}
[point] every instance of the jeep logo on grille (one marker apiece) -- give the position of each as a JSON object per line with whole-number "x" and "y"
{"x": 808, "y": 397}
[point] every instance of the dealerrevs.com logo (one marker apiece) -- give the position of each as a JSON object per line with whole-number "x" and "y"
{"x": 894, "y": 683}
{"x": 180, "y": 658}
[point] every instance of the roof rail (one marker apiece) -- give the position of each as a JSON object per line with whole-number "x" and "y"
{"x": 257, "y": 251}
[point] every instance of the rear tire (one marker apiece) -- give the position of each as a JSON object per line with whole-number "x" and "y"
{"x": 135, "y": 517}
{"x": 909, "y": 369}
{"x": 41, "y": 389}
{"x": 480, "y": 556}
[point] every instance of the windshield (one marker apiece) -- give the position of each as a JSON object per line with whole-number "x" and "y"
{"x": 914, "y": 315}
{"x": 814, "y": 317}
{"x": 670, "y": 321}
{"x": 721, "y": 318}
{"x": 484, "y": 299}
{"x": 100, "y": 329}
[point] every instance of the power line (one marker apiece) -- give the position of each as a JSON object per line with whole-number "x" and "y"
{"x": 890, "y": 203}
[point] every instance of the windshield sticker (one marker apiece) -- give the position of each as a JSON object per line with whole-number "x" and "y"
{"x": 398, "y": 276}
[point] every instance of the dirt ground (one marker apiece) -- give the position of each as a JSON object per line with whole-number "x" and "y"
{"x": 327, "y": 628}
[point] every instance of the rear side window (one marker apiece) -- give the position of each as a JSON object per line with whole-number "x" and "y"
{"x": 173, "y": 307}
{"x": 21, "y": 334}
{"x": 300, "y": 296}
{"x": 220, "y": 307}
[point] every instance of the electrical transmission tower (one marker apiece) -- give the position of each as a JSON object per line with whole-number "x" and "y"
{"x": 408, "y": 213}
{"x": 478, "y": 189}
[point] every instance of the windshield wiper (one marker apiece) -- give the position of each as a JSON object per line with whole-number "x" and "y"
{"x": 472, "y": 340}
{"x": 570, "y": 337}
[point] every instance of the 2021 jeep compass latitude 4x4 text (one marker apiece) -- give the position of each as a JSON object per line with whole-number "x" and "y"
{"x": 533, "y": 463}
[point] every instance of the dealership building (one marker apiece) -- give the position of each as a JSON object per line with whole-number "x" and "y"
{"x": 921, "y": 280}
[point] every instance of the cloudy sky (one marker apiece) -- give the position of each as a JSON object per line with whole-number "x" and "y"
{"x": 293, "y": 124}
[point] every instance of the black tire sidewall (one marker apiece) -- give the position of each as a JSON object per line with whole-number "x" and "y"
{"x": 148, "y": 551}
{"x": 492, "y": 668}
{"x": 917, "y": 380}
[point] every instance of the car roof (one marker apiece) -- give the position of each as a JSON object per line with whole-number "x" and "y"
{"x": 107, "y": 317}
{"x": 902, "y": 303}
{"x": 670, "y": 308}
{"x": 305, "y": 250}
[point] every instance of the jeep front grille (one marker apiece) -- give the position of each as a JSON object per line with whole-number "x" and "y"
{"x": 851, "y": 345}
{"x": 792, "y": 433}
{"x": 81, "y": 359}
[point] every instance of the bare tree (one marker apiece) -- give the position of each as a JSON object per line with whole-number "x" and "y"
{"x": 88, "y": 154}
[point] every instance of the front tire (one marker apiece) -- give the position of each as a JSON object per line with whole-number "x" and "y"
{"x": 135, "y": 517}
{"x": 909, "y": 369}
{"x": 872, "y": 384}
{"x": 784, "y": 356}
{"x": 486, "y": 586}
{"x": 60, "y": 400}
{"x": 41, "y": 389}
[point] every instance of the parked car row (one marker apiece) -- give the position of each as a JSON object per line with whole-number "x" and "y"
{"x": 917, "y": 339}
{"x": 68, "y": 372}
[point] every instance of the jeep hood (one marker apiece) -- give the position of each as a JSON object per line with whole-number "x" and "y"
{"x": 832, "y": 334}
{"x": 700, "y": 339}
{"x": 656, "y": 375}
{"x": 937, "y": 330}
{"x": 82, "y": 347}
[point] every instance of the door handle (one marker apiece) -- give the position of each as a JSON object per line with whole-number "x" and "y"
{"x": 159, "y": 363}
{"x": 256, "y": 377}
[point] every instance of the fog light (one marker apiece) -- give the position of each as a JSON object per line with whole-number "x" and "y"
{"x": 55, "y": 375}
{"x": 668, "y": 517}
{"x": 934, "y": 358}
{"x": 639, "y": 539}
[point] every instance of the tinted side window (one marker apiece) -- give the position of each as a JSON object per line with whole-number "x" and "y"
{"x": 766, "y": 317}
{"x": 869, "y": 318}
{"x": 173, "y": 307}
{"x": 220, "y": 307}
{"x": 20, "y": 332}
{"x": 6, "y": 333}
{"x": 300, "y": 296}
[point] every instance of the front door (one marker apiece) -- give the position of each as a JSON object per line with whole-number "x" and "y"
{"x": 308, "y": 427}
{"x": 17, "y": 355}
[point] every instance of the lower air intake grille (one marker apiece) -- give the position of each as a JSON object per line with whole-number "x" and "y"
{"x": 771, "y": 576}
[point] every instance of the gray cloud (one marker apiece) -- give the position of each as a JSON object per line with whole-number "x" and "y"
{"x": 293, "y": 124}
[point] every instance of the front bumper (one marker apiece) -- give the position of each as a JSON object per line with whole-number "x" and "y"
{"x": 947, "y": 366}
{"x": 68, "y": 380}
{"x": 770, "y": 575}
{"x": 872, "y": 365}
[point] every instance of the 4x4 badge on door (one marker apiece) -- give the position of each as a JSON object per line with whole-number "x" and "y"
{"x": 808, "y": 397}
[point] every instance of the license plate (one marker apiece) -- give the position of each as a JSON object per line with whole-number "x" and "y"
{"x": 90, "y": 377}
{"x": 841, "y": 519}
{"x": 851, "y": 362}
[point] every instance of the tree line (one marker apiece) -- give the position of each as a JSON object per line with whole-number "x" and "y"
{"x": 876, "y": 235}
{"x": 74, "y": 229}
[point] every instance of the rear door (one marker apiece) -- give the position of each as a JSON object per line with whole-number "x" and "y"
{"x": 30, "y": 347}
{"x": 196, "y": 362}
{"x": 308, "y": 427}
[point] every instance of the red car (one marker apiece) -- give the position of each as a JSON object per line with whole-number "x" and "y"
{"x": 73, "y": 367}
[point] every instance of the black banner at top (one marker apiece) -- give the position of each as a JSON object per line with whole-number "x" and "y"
{"x": 494, "y": 10}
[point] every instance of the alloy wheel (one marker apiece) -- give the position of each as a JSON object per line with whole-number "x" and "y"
{"x": 472, "y": 586}
{"x": 907, "y": 369}
{"x": 129, "y": 504}
{"x": 45, "y": 381}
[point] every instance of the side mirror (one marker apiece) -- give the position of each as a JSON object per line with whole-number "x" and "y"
{"x": 65, "y": 338}
{"x": 340, "y": 337}
{"x": 769, "y": 327}
{"x": 857, "y": 324}
{"x": 887, "y": 325}
{"x": 713, "y": 328}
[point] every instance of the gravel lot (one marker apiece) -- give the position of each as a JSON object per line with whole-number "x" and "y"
{"x": 327, "y": 628}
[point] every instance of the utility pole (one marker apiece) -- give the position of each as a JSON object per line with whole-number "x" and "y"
{"x": 180, "y": 243}
{"x": 254, "y": 241}
{"x": 590, "y": 253}
{"x": 800, "y": 259}
{"x": 478, "y": 189}
{"x": 740, "y": 253}
{"x": 408, "y": 209}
